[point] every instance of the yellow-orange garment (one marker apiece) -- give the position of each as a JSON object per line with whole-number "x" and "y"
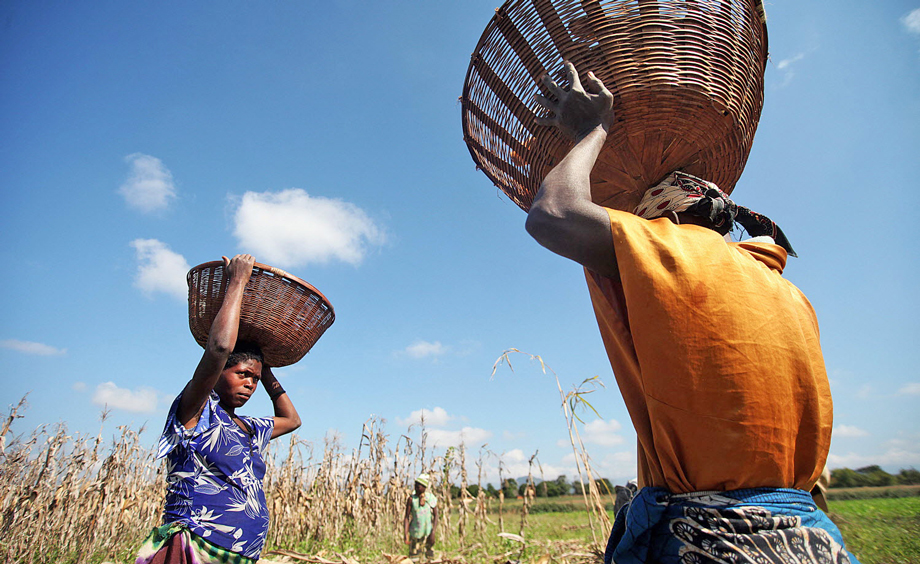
{"x": 717, "y": 357}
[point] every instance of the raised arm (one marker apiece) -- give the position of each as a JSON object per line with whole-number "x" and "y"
{"x": 221, "y": 340}
{"x": 286, "y": 417}
{"x": 563, "y": 218}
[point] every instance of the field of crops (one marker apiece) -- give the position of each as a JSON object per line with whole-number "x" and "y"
{"x": 69, "y": 498}
{"x": 78, "y": 499}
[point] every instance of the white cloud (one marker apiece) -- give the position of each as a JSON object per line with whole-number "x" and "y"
{"x": 910, "y": 389}
{"x": 141, "y": 400}
{"x": 149, "y": 186}
{"x": 848, "y": 431}
{"x": 160, "y": 269}
{"x": 618, "y": 467}
{"x": 600, "y": 432}
{"x": 912, "y": 21}
{"x": 472, "y": 437}
{"x": 516, "y": 465}
{"x": 78, "y": 386}
{"x": 785, "y": 68}
{"x": 786, "y": 63}
{"x": 899, "y": 453}
{"x": 436, "y": 417}
{"x": 894, "y": 458}
{"x": 422, "y": 349}
{"x": 29, "y": 347}
{"x": 291, "y": 228}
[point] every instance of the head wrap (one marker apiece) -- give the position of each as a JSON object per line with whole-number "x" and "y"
{"x": 681, "y": 192}
{"x": 422, "y": 479}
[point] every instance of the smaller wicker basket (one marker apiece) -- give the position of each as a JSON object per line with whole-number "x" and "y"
{"x": 281, "y": 313}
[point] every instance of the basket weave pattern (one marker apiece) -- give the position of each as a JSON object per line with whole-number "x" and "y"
{"x": 687, "y": 77}
{"x": 281, "y": 313}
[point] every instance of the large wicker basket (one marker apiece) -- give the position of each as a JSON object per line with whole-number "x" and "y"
{"x": 281, "y": 313}
{"x": 687, "y": 76}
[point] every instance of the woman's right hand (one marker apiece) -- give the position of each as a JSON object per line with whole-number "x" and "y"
{"x": 580, "y": 109}
{"x": 239, "y": 267}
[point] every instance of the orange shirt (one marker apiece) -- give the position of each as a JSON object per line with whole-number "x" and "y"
{"x": 717, "y": 357}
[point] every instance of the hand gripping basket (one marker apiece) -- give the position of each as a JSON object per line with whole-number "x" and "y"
{"x": 281, "y": 313}
{"x": 687, "y": 76}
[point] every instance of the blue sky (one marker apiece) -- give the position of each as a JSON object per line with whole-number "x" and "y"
{"x": 142, "y": 138}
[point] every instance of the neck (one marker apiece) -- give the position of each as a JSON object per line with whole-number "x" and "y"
{"x": 230, "y": 410}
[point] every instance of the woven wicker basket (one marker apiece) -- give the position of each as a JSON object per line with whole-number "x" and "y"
{"x": 687, "y": 76}
{"x": 281, "y": 313}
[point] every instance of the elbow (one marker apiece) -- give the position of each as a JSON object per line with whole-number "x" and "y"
{"x": 218, "y": 346}
{"x": 543, "y": 224}
{"x": 538, "y": 223}
{"x": 220, "y": 340}
{"x": 295, "y": 422}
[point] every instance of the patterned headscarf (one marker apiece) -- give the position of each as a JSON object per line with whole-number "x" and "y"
{"x": 681, "y": 192}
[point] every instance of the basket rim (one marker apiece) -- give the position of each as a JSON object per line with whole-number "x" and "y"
{"x": 267, "y": 268}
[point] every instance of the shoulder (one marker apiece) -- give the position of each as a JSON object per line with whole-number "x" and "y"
{"x": 175, "y": 434}
{"x": 766, "y": 252}
{"x": 261, "y": 427}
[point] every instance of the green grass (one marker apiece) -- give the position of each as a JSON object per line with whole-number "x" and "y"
{"x": 881, "y": 530}
{"x": 877, "y": 530}
{"x": 839, "y": 494}
{"x": 550, "y": 533}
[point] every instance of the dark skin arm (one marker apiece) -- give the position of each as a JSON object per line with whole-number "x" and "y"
{"x": 286, "y": 417}
{"x": 433, "y": 537}
{"x": 563, "y": 218}
{"x": 406, "y": 520}
{"x": 221, "y": 340}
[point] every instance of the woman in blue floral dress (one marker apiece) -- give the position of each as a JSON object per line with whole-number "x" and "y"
{"x": 215, "y": 507}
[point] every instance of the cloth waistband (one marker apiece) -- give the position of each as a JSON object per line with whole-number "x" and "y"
{"x": 645, "y": 528}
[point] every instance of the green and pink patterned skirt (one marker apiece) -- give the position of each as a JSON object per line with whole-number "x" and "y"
{"x": 174, "y": 544}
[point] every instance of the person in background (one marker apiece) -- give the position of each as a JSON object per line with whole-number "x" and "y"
{"x": 819, "y": 492}
{"x": 420, "y": 525}
{"x": 215, "y": 509}
{"x": 717, "y": 357}
{"x": 624, "y": 495}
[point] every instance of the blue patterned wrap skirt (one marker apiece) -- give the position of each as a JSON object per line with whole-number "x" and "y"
{"x": 762, "y": 525}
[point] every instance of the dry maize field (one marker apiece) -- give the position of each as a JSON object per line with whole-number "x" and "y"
{"x": 72, "y": 498}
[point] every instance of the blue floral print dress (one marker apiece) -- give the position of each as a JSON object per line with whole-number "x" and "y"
{"x": 214, "y": 477}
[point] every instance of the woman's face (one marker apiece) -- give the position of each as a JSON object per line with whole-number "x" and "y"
{"x": 237, "y": 383}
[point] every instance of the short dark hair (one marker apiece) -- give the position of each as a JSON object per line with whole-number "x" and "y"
{"x": 242, "y": 352}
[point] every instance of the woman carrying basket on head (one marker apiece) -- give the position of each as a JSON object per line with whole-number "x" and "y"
{"x": 215, "y": 506}
{"x": 717, "y": 357}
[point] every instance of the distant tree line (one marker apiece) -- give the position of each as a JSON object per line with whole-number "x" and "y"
{"x": 869, "y": 476}
{"x": 547, "y": 488}
{"x": 872, "y": 476}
